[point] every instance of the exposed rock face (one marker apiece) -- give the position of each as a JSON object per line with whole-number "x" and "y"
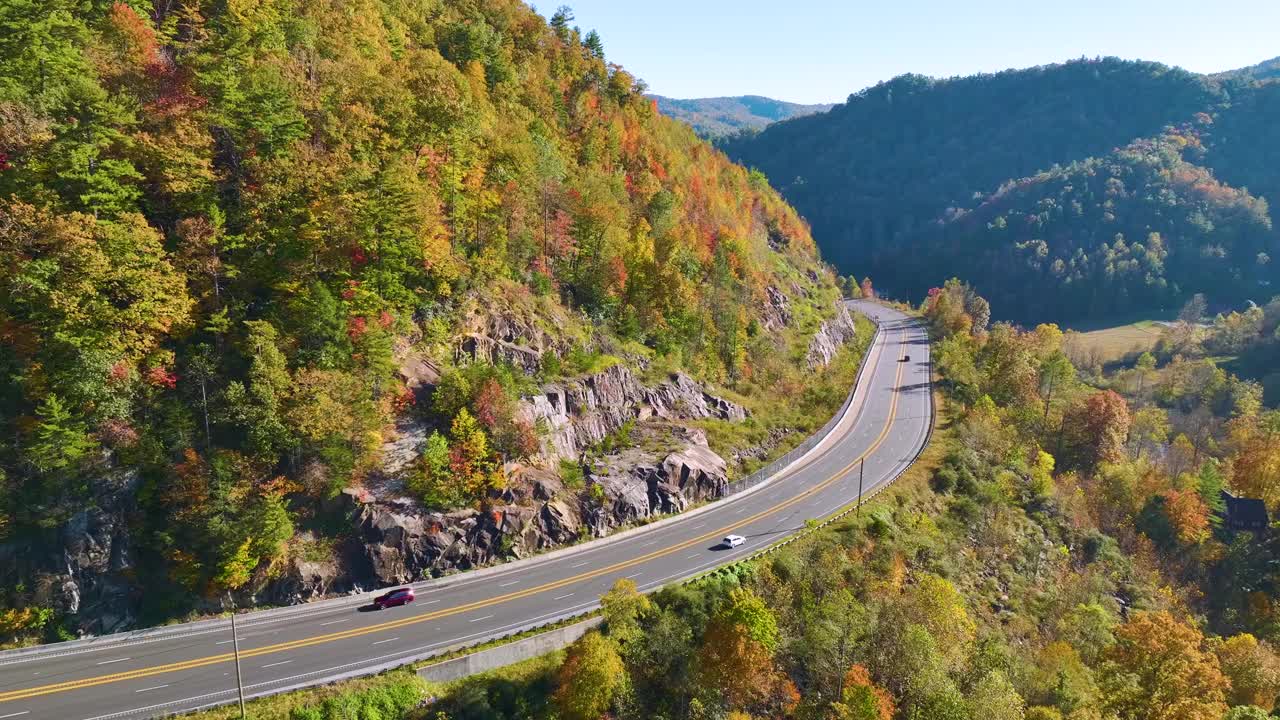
{"x": 304, "y": 581}
{"x": 399, "y": 542}
{"x": 83, "y": 570}
{"x": 582, "y": 412}
{"x": 418, "y": 372}
{"x": 503, "y": 336}
{"x": 777, "y": 310}
{"x": 830, "y": 336}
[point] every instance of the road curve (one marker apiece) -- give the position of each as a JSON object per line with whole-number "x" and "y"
{"x": 185, "y": 667}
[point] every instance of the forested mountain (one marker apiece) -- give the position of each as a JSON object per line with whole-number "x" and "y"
{"x": 1268, "y": 70}
{"x": 225, "y": 226}
{"x": 916, "y": 179}
{"x": 1063, "y": 550}
{"x": 1132, "y": 229}
{"x": 725, "y": 116}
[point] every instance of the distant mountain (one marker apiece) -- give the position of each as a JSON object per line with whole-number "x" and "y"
{"x": 1269, "y": 70}
{"x": 724, "y": 116}
{"x": 1044, "y": 186}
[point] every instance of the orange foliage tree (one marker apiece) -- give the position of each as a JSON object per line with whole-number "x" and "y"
{"x": 1159, "y": 669}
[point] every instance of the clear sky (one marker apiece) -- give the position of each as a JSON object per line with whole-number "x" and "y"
{"x": 823, "y": 50}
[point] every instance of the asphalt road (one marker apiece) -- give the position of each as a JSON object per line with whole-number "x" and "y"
{"x": 183, "y": 667}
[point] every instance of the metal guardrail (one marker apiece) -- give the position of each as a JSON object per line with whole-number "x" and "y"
{"x": 844, "y": 511}
{"x": 768, "y": 472}
{"x": 394, "y": 661}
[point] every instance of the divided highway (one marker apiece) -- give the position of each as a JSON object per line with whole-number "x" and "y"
{"x": 183, "y": 667}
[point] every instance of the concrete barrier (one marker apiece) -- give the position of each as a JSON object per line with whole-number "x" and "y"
{"x": 508, "y": 654}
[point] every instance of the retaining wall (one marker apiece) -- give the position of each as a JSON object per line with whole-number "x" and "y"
{"x": 508, "y": 654}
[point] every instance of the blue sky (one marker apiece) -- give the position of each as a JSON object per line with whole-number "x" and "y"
{"x": 823, "y": 50}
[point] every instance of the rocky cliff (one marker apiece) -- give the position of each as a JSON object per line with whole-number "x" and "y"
{"x": 84, "y": 566}
{"x": 86, "y": 569}
{"x": 580, "y": 413}
{"x": 831, "y": 335}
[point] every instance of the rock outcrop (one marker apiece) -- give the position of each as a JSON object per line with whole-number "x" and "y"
{"x": 83, "y": 571}
{"x": 399, "y": 542}
{"x": 831, "y": 336}
{"x": 503, "y": 335}
{"x": 580, "y": 413}
{"x": 776, "y": 312}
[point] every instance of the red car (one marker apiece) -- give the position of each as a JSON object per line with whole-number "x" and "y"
{"x": 400, "y": 596}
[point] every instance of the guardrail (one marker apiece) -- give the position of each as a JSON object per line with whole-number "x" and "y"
{"x": 772, "y": 471}
{"x": 768, "y": 472}
{"x": 846, "y": 509}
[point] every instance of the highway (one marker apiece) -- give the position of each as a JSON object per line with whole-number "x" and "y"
{"x": 183, "y": 667}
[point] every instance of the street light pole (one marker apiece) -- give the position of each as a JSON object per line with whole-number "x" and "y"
{"x": 235, "y": 646}
{"x": 862, "y": 466}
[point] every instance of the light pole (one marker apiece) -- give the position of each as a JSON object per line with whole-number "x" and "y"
{"x": 235, "y": 647}
{"x": 862, "y": 466}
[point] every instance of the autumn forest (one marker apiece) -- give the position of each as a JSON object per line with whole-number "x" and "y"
{"x": 278, "y": 275}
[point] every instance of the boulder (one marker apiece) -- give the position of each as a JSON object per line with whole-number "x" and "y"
{"x": 526, "y": 484}
{"x": 559, "y": 523}
{"x": 698, "y": 471}
{"x": 304, "y": 581}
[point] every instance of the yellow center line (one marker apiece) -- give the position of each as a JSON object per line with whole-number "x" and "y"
{"x": 553, "y": 585}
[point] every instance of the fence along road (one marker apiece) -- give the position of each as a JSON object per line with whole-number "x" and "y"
{"x": 883, "y": 428}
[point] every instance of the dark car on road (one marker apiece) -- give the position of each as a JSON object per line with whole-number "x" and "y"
{"x": 399, "y": 596}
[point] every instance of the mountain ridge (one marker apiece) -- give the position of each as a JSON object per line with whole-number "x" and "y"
{"x": 881, "y": 176}
{"x": 716, "y": 117}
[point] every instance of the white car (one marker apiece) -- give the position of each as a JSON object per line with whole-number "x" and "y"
{"x": 733, "y": 541}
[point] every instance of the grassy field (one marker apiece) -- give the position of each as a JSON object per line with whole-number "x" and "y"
{"x": 1109, "y": 344}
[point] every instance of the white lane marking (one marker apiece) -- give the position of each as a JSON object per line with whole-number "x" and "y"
{"x": 387, "y": 640}
{"x": 108, "y": 662}
{"x": 24, "y": 712}
{"x": 651, "y": 542}
{"x": 486, "y": 617}
{"x": 509, "y": 584}
{"x": 579, "y": 564}
{"x": 695, "y": 555}
{"x": 335, "y": 622}
{"x": 282, "y": 662}
{"x": 336, "y": 668}
{"x": 699, "y": 525}
{"x": 157, "y": 687}
{"x": 563, "y": 597}
{"x": 431, "y": 602}
{"x": 223, "y": 642}
{"x": 633, "y": 577}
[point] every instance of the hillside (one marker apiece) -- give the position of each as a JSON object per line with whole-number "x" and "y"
{"x": 1134, "y": 228}
{"x": 1061, "y": 551}
{"x": 1268, "y": 70}
{"x": 896, "y": 181}
{"x": 725, "y": 116}
{"x": 280, "y": 274}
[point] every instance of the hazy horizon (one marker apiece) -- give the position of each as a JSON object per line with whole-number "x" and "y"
{"x": 819, "y": 53}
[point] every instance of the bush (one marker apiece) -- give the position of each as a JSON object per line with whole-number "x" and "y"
{"x": 945, "y": 479}
{"x": 1246, "y": 712}
{"x": 385, "y": 702}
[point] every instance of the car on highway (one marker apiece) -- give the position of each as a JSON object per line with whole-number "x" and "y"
{"x": 733, "y": 541}
{"x": 906, "y": 358}
{"x": 394, "y": 598}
